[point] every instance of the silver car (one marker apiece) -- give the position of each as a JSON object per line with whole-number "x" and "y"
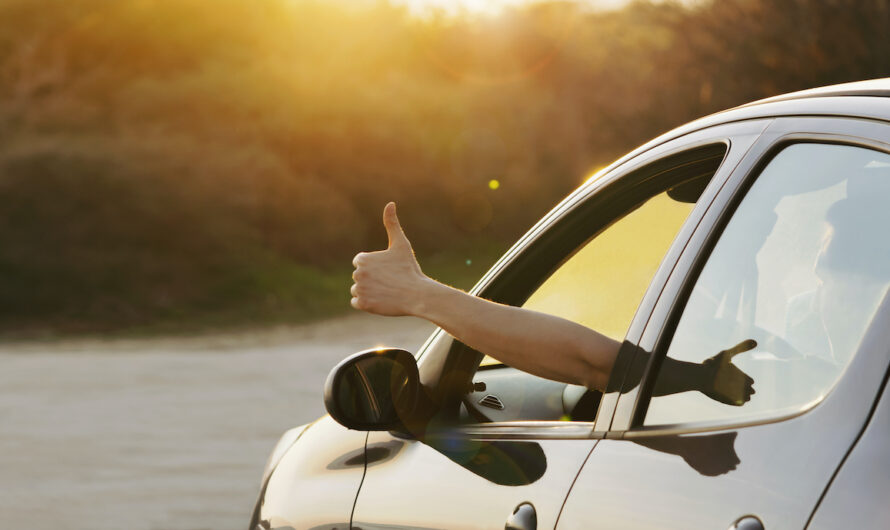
{"x": 744, "y": 261}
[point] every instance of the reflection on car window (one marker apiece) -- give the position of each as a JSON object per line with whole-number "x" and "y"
{"x": 602, "y": 284}
{"x": 799, "y": 270}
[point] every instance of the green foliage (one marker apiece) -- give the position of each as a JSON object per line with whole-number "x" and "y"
{"x": 217, "y": 162}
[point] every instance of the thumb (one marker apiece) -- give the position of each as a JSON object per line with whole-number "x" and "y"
{"x": 394, "y": 232}
{"x": 743, "y": 346}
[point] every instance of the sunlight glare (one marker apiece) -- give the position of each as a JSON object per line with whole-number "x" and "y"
{"x": 595, "y": 174}
{"x": 488, "y": 7}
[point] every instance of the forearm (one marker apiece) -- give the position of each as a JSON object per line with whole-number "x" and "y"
{"x": 541, "y": 344}
{"x": 390, "y": 282}
{"x": 678, "y": 376}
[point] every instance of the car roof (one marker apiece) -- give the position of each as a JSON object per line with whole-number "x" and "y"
{"x": 861, "y": 99}
{"x": 871, "y": 87}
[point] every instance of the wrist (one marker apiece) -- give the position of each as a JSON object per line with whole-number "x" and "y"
{"x": 424, "y": 299}
{"x": 680, "y": 376}
{"x": 704, "y": 377}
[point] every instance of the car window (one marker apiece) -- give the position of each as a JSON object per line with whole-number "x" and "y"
{"x": 612, "y": 245}
{"x": 787, "y": 293}
{"x": 602, "y": 283}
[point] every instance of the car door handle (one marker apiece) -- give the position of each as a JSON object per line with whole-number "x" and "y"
{"x": 523, "y": 517}
{"x": 748, "y": 522}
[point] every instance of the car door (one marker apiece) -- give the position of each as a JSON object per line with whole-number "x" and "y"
{"x": 507, "y": 445}
{"x": 758, "y": 367}
{"x": 857, "y": 497}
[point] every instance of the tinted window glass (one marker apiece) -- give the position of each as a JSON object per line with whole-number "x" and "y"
{"x": 787, "y": 293}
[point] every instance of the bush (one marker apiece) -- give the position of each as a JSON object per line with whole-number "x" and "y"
{"x": 187, "y": 160}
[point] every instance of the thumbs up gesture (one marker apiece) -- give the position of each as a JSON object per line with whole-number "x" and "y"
{"x": 388, "y": 282}
{"x": 724, "y": 381}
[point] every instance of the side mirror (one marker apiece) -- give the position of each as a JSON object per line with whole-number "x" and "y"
{"x": 374, "y": 390}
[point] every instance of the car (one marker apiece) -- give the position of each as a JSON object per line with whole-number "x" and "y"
{"x": 743, "y": 261}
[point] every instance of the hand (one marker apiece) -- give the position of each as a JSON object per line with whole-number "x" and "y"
{"x": 710, "y": 455}
{"x": 388, "y": 282}
{"x": 724, "y": 381}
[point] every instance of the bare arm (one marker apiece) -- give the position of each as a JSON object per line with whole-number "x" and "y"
{"x": 390, "y": 282}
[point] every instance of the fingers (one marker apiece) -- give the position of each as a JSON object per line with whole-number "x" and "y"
{"x": 747, "y": 391}
{"x": 381, "y": 278}
{"x": 394, "y": 232}
{"x": 353, "y": 292}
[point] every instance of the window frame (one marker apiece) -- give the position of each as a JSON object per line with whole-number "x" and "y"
{"x": 633, "y": 181}
{"x": 633, "y": 403}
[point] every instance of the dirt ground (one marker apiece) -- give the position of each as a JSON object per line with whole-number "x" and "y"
{"x": 162, "y": 434}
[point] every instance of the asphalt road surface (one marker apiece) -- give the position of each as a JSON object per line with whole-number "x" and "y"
{"x": 162, "y": 434}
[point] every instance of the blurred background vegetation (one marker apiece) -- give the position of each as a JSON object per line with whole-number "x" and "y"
{"x": 170, "y": 165}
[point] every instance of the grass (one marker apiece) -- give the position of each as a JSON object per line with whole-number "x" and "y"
{"x": 266, "y": 291}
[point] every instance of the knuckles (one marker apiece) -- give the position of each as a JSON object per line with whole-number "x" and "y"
{"x": 359, "y": 298}
{"x": 363, "y": 304}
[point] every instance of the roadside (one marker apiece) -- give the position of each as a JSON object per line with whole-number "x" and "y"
{"x": 263, "y": 298}
{"x": 162, "y": 433}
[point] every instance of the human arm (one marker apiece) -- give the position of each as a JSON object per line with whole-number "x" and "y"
{"x": 390, "y": 282}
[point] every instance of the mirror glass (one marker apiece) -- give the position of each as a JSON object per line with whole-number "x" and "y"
{"x": 373, "y": 390}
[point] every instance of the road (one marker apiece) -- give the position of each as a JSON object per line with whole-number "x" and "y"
{"x": 162, "y": 434}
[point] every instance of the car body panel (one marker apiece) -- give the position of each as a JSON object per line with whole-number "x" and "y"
{"x": 287, "y": 440}
{"x": 869, "y": 87}
{"x": 857, "y": 497}
{"x": 316, "y": 482}
{"x": 465, "y": 480}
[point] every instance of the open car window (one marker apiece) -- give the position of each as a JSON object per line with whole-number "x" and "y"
{"x": 601, "y": 284}
{"x": 598, "y": 283}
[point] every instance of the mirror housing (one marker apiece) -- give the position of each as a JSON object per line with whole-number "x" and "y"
{"x": 374, "y": 390}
